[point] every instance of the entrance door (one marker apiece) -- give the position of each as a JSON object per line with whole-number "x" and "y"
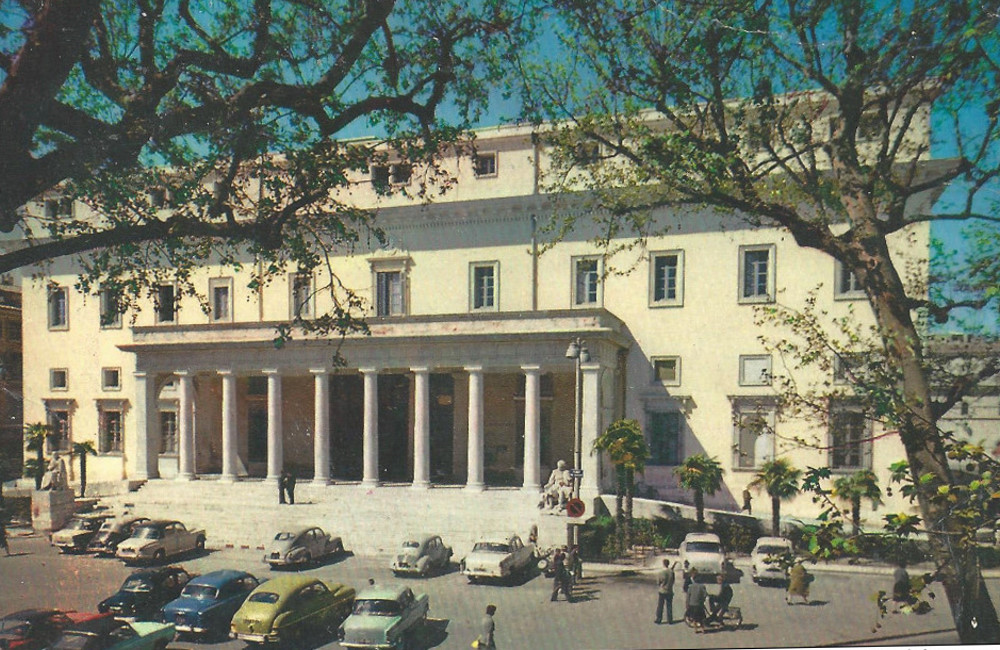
{"x": 393, "y": 425}
{"x": 347, "y": 408}
{"x": 256, "y": 437}
{"x": 442, "y": 428}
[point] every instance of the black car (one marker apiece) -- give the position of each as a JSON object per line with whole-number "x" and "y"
{"x": 33, "y": 629}
{"x": 144, "y": 592}
{"x": 113, "y": 531}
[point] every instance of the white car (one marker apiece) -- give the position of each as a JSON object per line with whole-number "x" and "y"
{"x": 769, "y": 547}
{"x": 703, "y": 551}
{"x": 498, "y": 558}
{"x": 155, "y": 541}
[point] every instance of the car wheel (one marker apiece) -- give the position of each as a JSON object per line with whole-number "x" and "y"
{"x": 200, "y": 544}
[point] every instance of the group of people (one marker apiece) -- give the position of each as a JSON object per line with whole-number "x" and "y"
{"x": 568, "y": 570}
{"x": 696, "y": 595}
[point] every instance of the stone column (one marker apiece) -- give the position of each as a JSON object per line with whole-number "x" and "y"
{"x": 185, "y": 427}
{"x": 421, "y": 428}
{"x": 321, "y": 426}
{"x": 275, "y": 441}
{"x": 370, "y": 475}
{"x": 474, "y": 482}
{"x": 589, "y": 486}
{"x": 229, "y": 433}
{"x": 146, "y": 450}
{"x": 532, "y": 429}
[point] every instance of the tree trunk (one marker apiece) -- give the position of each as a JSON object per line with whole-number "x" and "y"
{"x": 856, "y": 516}
{"x": 629, "y": 496}
{"x": 40, "y": 468}
{"x": 619, "y": 509}
{"x": 776, "y": 516}
{"x": 83, "y": 474}
{"x": 699, "y": 506}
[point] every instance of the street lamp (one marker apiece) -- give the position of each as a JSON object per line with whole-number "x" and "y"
{"x": 577, "y": 351}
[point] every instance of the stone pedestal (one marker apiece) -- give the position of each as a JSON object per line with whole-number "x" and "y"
{"x": 50, "y": 510}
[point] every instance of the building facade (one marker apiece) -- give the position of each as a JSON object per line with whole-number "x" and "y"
{"x": 464, "y": 378}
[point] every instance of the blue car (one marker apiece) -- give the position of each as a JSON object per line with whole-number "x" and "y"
{"x": 208, "y": 602}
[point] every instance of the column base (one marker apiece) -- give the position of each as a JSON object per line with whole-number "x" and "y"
{"x": 186, "y": 477}
{"x": 228, "y": 478}
{"x": 475, "y": 487}
{"x": 420, "y": 485}
{"x": 272, "y": 480}
{"x": 319, "y": 480}
{"x": 369, "y": 483}
{"x": 531, "y": 489}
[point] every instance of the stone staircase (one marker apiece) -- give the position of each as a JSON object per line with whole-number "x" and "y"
{"x": 370, "y": 521}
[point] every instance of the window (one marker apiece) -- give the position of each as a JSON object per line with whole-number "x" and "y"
{"x": 666, "y": 288}
{"x": 12, "y": 330}
{"x": 302, "y": 295}
{"x": 389, "y": 293}
{"x": 485, "y": 164}
{"x": 256, "y": 385}
{"x": 58, "y": 308}
{"x": 846, "y": 285}
{"x": 58, "y": 208}
{"x": 665, "y": 438}
{"x": 756, "y": 273}
{"x": 849, "y": 438}
{"x": 385, "y": 175}
{"x": 59, "y": 379}
{"x": 168, "y": 432}
{"x": 158, "y": 197}
{"x": 753, "y": 427}
{"x": 111, "y": 311}
{"x": 59, "y": 429}
{"x": 586, "y": 281}
{"x": 221, "y": 297}
{"x": 847, "y": 368}
{"x": 400, "y": 174}
{"x": 667, "y": 371}
{"x": 380, "y": 176}
{"x": 110, "y": 434}
{"x": 111, "y": 378}
{"x": 166, "y": 303}
{"x": 755, "y": 370}
{"x": 484, "y": 286}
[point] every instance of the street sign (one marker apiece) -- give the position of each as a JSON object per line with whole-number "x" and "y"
{"x": 575, "y": 508}
{"x": 576, "y": 473}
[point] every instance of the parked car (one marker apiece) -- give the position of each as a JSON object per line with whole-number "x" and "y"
{"x": 301, "y": 546}
{"x": 112, "y": 634}
{"x": 498, "y": 557}
{"x": 34, "y": 629}
{"x": 421, "y": 555}
{"x": 702, "y": 551}
{"x": 384, "y": 617}
{"x": 155, "y": 541}
{"x": 290, "y": 606}
{"x": 76, "y": 535}
{"x": 765, "y": 548}
{"x": 208, "y": 602}
{"x": 144, "y": 592}
{"x": 113, "y": 532}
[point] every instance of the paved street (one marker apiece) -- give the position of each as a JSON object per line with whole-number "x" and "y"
{"x": 613, "y": 611}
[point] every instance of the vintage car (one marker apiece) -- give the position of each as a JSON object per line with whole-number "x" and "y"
{"x": 498, "y": 558}
{"x": 112, "y": 634}
{"x": 76, "y": 536}
{"x": 763, "y": 559}
{"x": 155, "y": 541}
{"x": 289, "y": 607}
{"x": 301, "y": 546}
{"x": 384, "y": 617}
{"x": 113, "y": 532}
{"x": 144, "y": 592}
{"x": 208, "y": 602}
{"x": 702, "y": 551}
{"x": 33, "y": 629}
{"x": 421, "y": 555}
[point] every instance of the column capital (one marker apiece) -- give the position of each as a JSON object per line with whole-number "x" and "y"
{"x": 319, "y": 371}
{"x": 183, "y": 373}
{"x": 531, "y": 369}
{"x": 590, "y": 367}
{"x": 227, "y": 372}
{"x": 472, "y": 369}
{"x": 369, "y": 370}
{"x": 420, "y": 370}
{"x": 269, "y": 372}
{"x": 141, "y": 374}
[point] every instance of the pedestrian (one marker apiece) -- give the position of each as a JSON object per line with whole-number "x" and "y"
{"x": 371, "y": 582}
{"x": 560, "y": 582}
{"x": 487, "y": 629}
{"x": 574, "y": 564}
{"x": 719, "y": 603}
{"x": 798, "y": 584}
{"x": 746, "y": 501}
{"x": 3, "y": 535}
{"x": 665, "y": 592}
{"x": 901, "y": 591}
{"x": 290, "y": 487}
{"x": 696, "y": 596}
{"x": 282, "y": 484}
{"x": 688, "y": 576}
{"x": 533, "y": 535}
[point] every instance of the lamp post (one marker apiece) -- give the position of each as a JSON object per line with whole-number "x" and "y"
{"x": 577, "y": 351}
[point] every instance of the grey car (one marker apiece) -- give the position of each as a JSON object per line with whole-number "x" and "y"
{"x": 301, "y": 546}
{"x": 420, "y": 555}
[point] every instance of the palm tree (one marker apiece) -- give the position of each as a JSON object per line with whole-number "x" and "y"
{"x": 702, "y": 475}
{"x": 628, "y": 451}
{"x": 780, "y": 479}
{"x": 36, "y": 434}
{"x": 860, "y": 485}
{"x": 82, "y": 449}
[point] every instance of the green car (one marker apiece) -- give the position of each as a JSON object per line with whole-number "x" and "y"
{"x": 289, "y": 607}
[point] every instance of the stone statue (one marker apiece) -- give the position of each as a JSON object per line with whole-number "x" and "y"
{"x": 55, "y": 476}
{"x": 559, "y": 487}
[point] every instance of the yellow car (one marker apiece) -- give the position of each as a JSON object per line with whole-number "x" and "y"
{"x": 289, "y": 607}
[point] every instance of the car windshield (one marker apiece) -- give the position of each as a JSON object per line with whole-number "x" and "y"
{"x": 13, "y": 629}
{"x": 703, "y": 547}
{"x": 283, "y": 537}
{"x": 108, "y": 525}
{"x": 202, "y": 592}
{"x": 80, "y": 524}
{"x": 74, "y": 641}
{"x": 148, "y": 532}
{"x": 491, "y": 547}
{"x": 772, "y": 550}
{"x": 411, "y": 544}
{"x": 137, "y": 585}
{"x": 376, "y": 607}
{"x": 264, "y": 597}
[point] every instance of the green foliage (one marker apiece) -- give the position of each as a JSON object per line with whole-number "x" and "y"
{"x": 702, "y": 475}
{"x": 737, "y": 534}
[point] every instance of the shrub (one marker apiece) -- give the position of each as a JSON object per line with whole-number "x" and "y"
{"x": 736, "y": 535}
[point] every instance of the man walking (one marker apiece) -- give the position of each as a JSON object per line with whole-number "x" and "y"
{"x": 665, "y": 592}
{"x": 561, "y": 579}
{"x": 290, "y": 487}
{"x": 746, "y": 501}
{"x": 487, "y": 628}
{"x": 282, "y": 485}
{"x": 696, "y": 596}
